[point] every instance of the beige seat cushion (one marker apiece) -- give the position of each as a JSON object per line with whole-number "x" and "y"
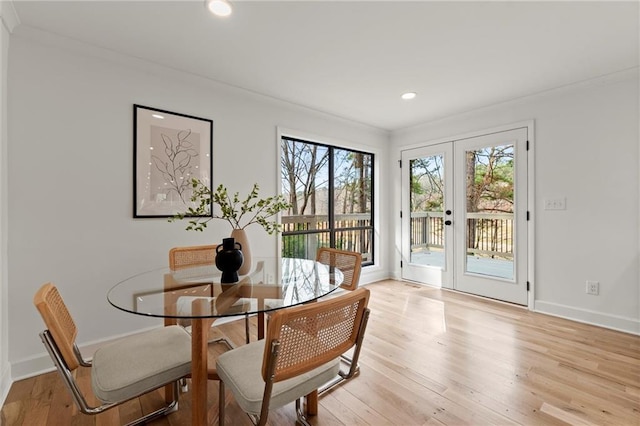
{"x": 240, "y": 370}
{"x": 140, "y": 363}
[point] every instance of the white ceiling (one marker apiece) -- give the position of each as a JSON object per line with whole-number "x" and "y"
{"x": 355, "y": 59}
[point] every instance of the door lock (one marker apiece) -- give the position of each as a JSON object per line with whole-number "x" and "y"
{"x": 447, "y": 222}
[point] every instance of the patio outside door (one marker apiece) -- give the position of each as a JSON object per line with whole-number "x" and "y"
{"x": 465, "y": 224}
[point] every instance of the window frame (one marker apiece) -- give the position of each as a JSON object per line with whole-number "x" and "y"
{"x": 331, "y": 214}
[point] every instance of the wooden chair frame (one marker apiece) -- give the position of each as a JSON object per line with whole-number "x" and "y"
{"x": 187, "y": 257}
{"x": 348, "y": 262}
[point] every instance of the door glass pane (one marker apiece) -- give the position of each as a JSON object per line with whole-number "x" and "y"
{"x": 427, "y": 211}
{"x": 489, "y": 213}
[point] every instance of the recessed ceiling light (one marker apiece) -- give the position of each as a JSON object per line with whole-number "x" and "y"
{"x": 219, "y": 7}
{"x": 408, "y": 95}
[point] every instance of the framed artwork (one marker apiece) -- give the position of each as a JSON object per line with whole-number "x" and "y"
{"x": 170, "y": 149}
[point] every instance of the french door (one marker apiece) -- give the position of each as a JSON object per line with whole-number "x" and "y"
{"x": 464, "y": 215}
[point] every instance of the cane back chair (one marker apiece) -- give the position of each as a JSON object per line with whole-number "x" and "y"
{"x": 348, "y": 262}
{"x": 300, "y": 353}
{"x": 120, "y": 370}
{"x": 203, "y": 255}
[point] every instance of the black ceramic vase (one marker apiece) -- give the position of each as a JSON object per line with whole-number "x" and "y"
{"x": 229, "y": 259}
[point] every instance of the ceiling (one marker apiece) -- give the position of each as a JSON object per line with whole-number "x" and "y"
{"x": 355, "y": 59}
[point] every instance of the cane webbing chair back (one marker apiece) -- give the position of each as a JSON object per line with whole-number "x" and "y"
{"x": 300, "y": 353}
{"x": 348, "y": 262}
{"x": 59, "y": 322}
{"x": 313, "y": 334}
{"x": 185, "y": 257}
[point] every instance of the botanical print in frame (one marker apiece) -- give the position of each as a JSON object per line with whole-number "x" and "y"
{"x": 170, "y": 149}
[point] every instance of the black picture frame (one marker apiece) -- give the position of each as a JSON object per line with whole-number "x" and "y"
{"x": 169, "y": 150}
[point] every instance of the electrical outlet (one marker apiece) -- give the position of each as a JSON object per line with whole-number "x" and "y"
{"x": 555, "y": 203}
{"x": 593, "y": 287}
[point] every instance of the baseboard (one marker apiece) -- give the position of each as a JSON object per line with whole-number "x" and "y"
{"x": 613, "y": 322}
{"x": 34, "y": 366}
{"x": 5, "y": 383}
{"x": 373, "y": 275}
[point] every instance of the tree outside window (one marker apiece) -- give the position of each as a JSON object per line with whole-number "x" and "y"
{"x": 331, "y": 194}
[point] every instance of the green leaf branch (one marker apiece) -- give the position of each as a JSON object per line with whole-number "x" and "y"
{"x": 239, "y": 213}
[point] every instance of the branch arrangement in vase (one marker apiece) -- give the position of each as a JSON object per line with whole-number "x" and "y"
{"x": 239, "y": 213}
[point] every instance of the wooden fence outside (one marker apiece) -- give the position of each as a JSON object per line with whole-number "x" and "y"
{"x": 489, "y": 234}
{"x": 302, "y": 235}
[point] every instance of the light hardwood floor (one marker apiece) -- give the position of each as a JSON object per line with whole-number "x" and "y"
{"x": 430, "y": 357}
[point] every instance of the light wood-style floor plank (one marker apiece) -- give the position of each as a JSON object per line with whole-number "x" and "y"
{"x": 430, "y": 357}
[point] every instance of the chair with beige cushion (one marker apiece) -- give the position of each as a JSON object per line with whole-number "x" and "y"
{"x": 121, "y": 370}
{"x": 204, "y": 255}
{"x": 181, "y": 258}
{"x": 350, "y": 264}
{"x": 300, "y": 353}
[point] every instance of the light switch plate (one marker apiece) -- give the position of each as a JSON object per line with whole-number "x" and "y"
{"x": 555, "y": 203}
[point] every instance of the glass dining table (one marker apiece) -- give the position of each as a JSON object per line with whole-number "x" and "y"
{"x": 196, "y": 294}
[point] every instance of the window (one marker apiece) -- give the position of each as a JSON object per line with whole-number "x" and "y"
{"x": 331, "y": 193}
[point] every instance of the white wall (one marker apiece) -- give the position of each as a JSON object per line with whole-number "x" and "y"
{"x": 587, "y": 150}
{"x": 9, "y": 20}
{"x": 70, "y": 177}
{"x": 4, "y": 331}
